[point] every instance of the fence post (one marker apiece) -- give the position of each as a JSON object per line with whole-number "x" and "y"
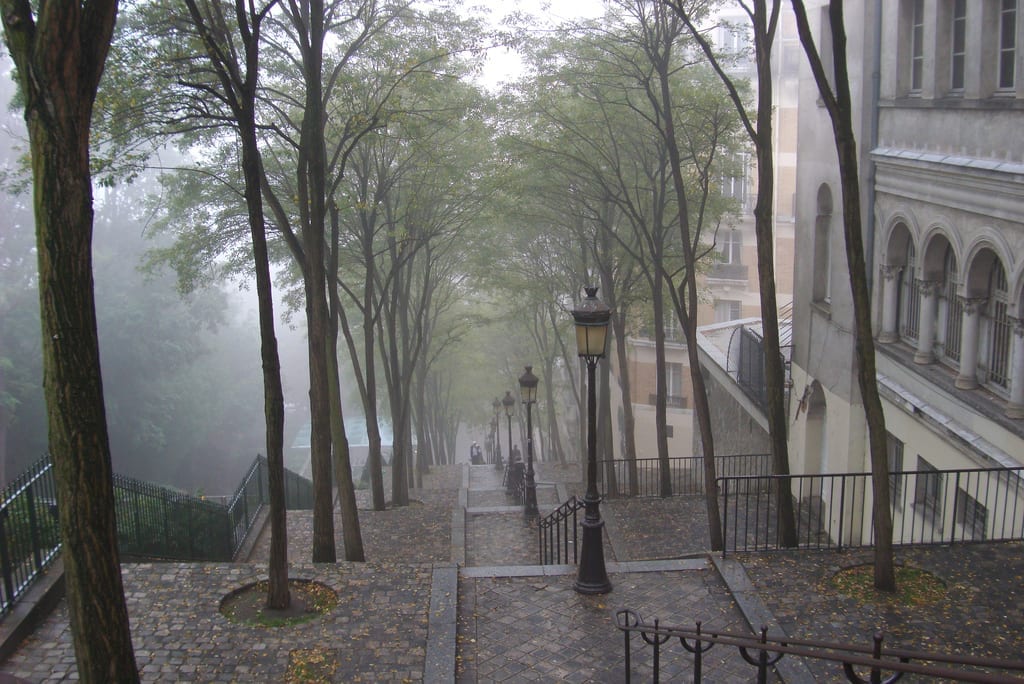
{"x": 956, "y": 501}
{"x": 842, "y": 511}
{"x": 33, "y": 527}
{"x": 725, "y": 515}
{"x": 5, "y": 560}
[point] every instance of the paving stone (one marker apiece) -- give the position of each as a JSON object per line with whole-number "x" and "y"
{"x": 517, "y": 622}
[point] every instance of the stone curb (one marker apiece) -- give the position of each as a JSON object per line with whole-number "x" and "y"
{"x": 757, "y": 615}
{"x": 46, "y": 591}
{"x": 439, "y": 664}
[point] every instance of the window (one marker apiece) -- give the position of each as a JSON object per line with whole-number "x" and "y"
{"x": 950, "y": 311}
{"x": 674, "y": 375}
{"x": 917, "y": 46}
{"x": 673, "y": 330}
{"x": 971, "y": 516}
{"x": 958, "y": 45}
{"x": 674, "y": 386}
{"x": 928, "y": 492}
{"x": 1007, "y": 44}
{"x": 733, "y": 39}
{"x": 909, "y": 298}
{"x": 894, "y": 448}
{"x": 727, "y": 310}
{"x": 730, "y": 246}
{"x": 734, "y": 178}
{"x": 997, "y": 327}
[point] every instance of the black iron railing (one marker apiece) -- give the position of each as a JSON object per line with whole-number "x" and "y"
{"x": 856, "y": 664}
{"x": 642, "y": 477}
{"x": 29, "y": 532}
{"x": 557, "y": 532}
{"x": 152, "y": 522}
{"x": 155, "y": 522}
{"x": 253, "y": 493}
{"x": 835, "y": 510}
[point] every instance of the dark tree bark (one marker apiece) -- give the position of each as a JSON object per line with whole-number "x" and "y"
{"x": 60, "y": 55}
{"x": 839, "y": 105}
{"x": 764, "y": 20}
{"x": 308, "y": 20}
{"x": 352, "y": 535}
{"x": 663, "y": 33}
{"x": 238, "y": 83}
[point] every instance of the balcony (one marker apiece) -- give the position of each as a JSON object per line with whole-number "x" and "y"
{"x": 723, "y": 271}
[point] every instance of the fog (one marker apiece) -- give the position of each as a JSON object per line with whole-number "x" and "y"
{"x": 182, "y": 377}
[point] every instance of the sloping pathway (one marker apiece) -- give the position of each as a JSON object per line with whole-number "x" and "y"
{"x": 450, "y": 592}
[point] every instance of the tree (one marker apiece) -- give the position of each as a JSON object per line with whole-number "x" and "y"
{"x": 764, "y": 18}
{"x": 237, "y": 92}
{"x": 839, "y": 105}
{"x": 60, "y": 53}
{"x": 701, "y": 131}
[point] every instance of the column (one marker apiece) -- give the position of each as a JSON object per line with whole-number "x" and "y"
{"x": 929, "y": 293}
{"x": 890, "y": 307}
{"x": 1015, "y": 409}
{"x": 968, "y": 378}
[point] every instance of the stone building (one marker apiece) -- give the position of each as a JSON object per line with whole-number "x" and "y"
{"x": 938, "y": 86}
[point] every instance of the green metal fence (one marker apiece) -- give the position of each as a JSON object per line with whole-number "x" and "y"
{"x": 153, "y": 522}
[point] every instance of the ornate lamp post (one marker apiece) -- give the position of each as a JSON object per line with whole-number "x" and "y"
{"x": 496, "y": 405}
{"x": 510, "y": 408}
{"x": 591, "y": 318}
{"x": 528, "y": 394}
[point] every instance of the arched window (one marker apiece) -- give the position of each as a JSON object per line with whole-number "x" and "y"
{"x": 909, "y": 297}
{"x": 995, "y": 325}
{"x": 950, "y": 311}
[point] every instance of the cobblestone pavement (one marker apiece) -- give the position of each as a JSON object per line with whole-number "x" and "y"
{"x": 378, "y": 632}
{"x": 519, "y": 623}
{"x": 981, "y": 613}
{"x": 538, "y": 629}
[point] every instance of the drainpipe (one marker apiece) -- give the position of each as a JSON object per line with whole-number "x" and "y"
{"x": 876, "y": 87}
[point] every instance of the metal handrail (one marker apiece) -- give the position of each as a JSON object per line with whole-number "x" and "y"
{"x": 763, "y": 652}
{"x": 553, "y": 533}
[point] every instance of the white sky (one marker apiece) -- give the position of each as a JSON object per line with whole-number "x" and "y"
{"x": 504, "y": 64}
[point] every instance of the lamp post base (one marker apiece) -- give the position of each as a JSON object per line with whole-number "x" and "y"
{"x": 592, "y": 577}
{"x": 530, "y": 494}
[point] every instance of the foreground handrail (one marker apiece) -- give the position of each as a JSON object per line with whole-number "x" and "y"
{"x": 763, "y": 652}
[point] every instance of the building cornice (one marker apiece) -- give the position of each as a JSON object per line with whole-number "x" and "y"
{"x": 987, "y": 187}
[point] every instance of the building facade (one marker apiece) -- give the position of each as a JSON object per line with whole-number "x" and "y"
{"x": 939, "y": 87}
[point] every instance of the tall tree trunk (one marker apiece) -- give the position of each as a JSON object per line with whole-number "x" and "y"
{"x": 352, "y": 535}
{"x": 839, "y": 105}
{"x": 239, "y": 89}
{"x": 628, "y": 417}
{"x": 661, "y": 384}
{"x": 312, "y": 188}
{"x": 59, "y": 64}
{"x": 278, "y": 595}
{"x": 688, "y": 300}
{"x": 774, "y": 368}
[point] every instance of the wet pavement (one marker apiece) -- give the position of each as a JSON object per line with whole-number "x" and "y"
{"x": 450, "y": 592}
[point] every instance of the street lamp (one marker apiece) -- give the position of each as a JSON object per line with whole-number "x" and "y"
{"x": 496, "y": 405}
{"x": 510, "y": 408}
{"x": 528, "y": 394}
{"x": 591, "y": 318}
